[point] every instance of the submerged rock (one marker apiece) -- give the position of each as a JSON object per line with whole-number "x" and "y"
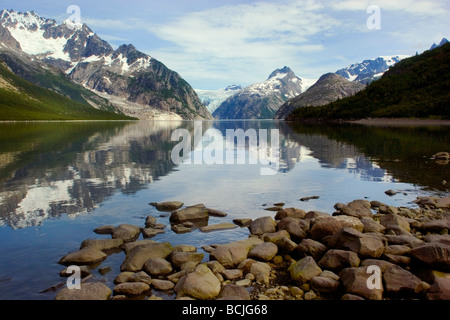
{"x": 167, "y": 206}
{"x": 192, "y": 213}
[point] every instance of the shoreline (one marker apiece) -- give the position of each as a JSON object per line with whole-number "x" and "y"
{"x": 293, "y": 255}
{"x": 403, "y": 122}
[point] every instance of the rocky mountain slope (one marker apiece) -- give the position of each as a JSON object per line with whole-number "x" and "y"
{"x": 330, "y": 87}
{"x": 125, "y": 73}
{"x": 23, "y": 100}
{"x": 261, "y": 100}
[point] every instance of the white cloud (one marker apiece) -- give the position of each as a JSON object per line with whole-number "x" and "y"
{"x": 243, "y": 37}
{"x": 418, "y": 7}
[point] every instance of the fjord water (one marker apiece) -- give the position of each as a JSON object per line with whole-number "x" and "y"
{"x": 60, "y": 180}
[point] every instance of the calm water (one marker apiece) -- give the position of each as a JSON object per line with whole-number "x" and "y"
{"x": 58, "y": 181}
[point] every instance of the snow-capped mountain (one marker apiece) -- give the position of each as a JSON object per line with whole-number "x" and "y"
{"x": 369, "y": 70}
{"x": 125, "y": 73}
{"x": 443, "y": 41}
{"x": 212, "y": 99}
{"x": 261, "y": 100}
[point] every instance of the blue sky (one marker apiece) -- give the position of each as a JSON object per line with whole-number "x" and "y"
{"x": 215, "y": 43}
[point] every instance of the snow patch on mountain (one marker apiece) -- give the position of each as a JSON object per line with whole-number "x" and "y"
{"x": 212, "y": 99}
{"x": 369, "y": 70}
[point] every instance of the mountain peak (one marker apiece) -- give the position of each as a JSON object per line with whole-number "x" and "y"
{"x": 280, "y": 73}
{"x": 443, "y": 41}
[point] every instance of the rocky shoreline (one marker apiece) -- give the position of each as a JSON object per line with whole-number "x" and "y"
{"x": 362, "y": 251}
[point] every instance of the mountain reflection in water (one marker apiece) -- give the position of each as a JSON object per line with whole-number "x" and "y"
{"x": 57, "y": 168}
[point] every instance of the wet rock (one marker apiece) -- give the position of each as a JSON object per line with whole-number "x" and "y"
{"x": 131, "y": 288}
{"x": 140, "y": 277}
{"x": 433, "y": 254}
{"x": 123, "y": 277}
{"x": 375, "y": 204}
{"x": 162, "y": 285}
{"x": 304, "y": 270}
{"x": 407, "y": 240}
{"x": 261, "y": 271}
{"x": 242, "y": 222}
{"x": 86, "y": 256}
{"x": 244, "y": 282}
{"x": 304, "y": 199}
{"x": 295, "y": 227}
{"x": 157, "y": 266}
{"x": 232, "y": 291}
{"x": 184, "y": 248}
{"x": 127, "y": 247}
{"x": 445, "y": 239}
{"x": 384, "y": 209}
{"x": 315, "y": 214}
{"x": 87, "y": 291}
{"x": 339, "y": 259}
{"x": 181, "y": 259}
{"x": 358, "y": 209}
{"x": 281, "y": 239}
{"x": 275, "y": 208}
{"x": 400, "y": 281}
{"x": 388, "y": 220}
{"x": 434, "y": 225}
{"x": 310, "y": 295}
{"x": 215, "y": 266}
{"x": 396, "y": 230}
{"x": 365, "y": 244}
{"x": 108, "y": 229}
{"x": 102, "y": 244}
{"x": 201, "y": 284}
{"x": 291, "y": 213}
{"x": 179, "y": 229}
{"x": 397, "y": 249}
{"x": 383, "y": 264}
{"x": 167, "y": 206}
{"x": 324, "y": 285}
{"x": 231, "y": 254}
{"x": 192, "y": 213}
{"x": 151, "y": 232}
{"x": 354, "y": 281}
{"x": 219, "y": 226}
{"x": 126, "y": 232}
{"x": 84, "y": 272}
{"x": 264, "y": 251}
{"x": 325, "y": 226}
{"x": 439, "y": 290}
{"x": 137, "y": 257}
{"x": 349, "y": 296}
{"x": 371, "y": 225}
{"x": 216, "y": 213}
{"x": 150, "y": 222}
{"x": 390, "y": 192}
{"x": 309, "y": 247}
{"x": 104, "y": 270}
{"x": 262, "y": 225}
{"x": 232, "y": 274}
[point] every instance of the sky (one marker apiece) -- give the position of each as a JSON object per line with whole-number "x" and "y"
{"x": 216, "y": 43}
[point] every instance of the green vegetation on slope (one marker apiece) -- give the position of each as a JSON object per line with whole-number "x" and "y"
{"x": 416, "y": 87}
{"x": 23, "y": 100}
